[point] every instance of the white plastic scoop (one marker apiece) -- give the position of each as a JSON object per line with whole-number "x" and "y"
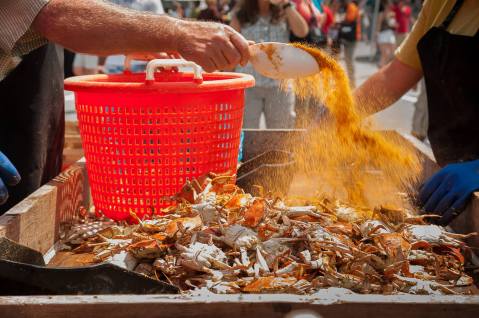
{"x": 282, "y": 61}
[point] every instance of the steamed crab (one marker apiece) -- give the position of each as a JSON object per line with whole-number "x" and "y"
{"x": 238, "y": 236}
{"x": 217, "y": 238}
{"x": 434, "y": 235}
{"x": 202, "y": 257}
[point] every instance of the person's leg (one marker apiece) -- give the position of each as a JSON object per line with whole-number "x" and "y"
{"x": 254, "y": 107}
{"x": 390, "y": 52}
{"x": 382, "y": 56}
{"x": 279, "y": 108}
{"x": 349, "y": 48}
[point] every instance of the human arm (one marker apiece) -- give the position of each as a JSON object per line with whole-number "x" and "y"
{"x": 235, "y": 24}
{"x": 97, "y": 27}
{"x": 8, "y": 176}
{"x": 296, "y": 22}
{"x": 386, "y": 86}
{"x": 393, "y": 80}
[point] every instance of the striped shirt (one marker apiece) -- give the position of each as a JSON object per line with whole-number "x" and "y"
{"x": 17, "y": 38}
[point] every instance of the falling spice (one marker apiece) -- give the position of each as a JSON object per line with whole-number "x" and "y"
{"x": 351, "y": 158}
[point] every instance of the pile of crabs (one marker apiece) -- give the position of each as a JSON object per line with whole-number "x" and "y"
{"x": 220, "y": 239}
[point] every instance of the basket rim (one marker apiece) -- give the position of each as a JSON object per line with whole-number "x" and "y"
{"x": 217, "y": 81}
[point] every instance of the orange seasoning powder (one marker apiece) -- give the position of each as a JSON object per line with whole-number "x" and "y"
{"x": 356, "y": 163}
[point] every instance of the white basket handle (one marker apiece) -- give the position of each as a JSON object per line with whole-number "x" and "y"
{"x": 170, "y": 63}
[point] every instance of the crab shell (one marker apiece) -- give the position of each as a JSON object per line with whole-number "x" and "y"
{"x": 274, "y": 247}
{"x": 147, "y": 249}
{"x": 270, "y": 284}
{"x": 420, "y": 257}
{"x": 207, "y": 212}
{"x": 348, "y": 214}
{"x": 237, "y": 236}
{"x": 321, "y": 234}
{"x": 432, "y": 234}
{"x": 373, "y": 227}
{"x": 422, "y": 287}
{"x": 199, "y": 256}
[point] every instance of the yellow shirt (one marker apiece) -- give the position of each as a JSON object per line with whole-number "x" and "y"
{"x": 433, "y": 13}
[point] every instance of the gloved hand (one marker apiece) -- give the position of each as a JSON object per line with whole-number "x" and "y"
{"x": 448, "y": 191}
{"x": 8, "y": 176}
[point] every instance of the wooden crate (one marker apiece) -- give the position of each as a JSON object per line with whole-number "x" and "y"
{"x": 35, "y": 222}
{"x": 72, "y": 150}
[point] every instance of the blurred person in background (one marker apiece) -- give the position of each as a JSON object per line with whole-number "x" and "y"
{"x": 386, "y": 35}
{"x": 175, "y": 10}
{"x": 226, "y": 7}
{"x": 367, "y": 12}
{"x": 308, "y": 111}
{"x": 211, "y": 12}
{"x": 348, "y": 26}
{"x": 267, "y": 21}
{"x": 31, "y": 72}
{"x": 193, "y": 10}
{"x": 85, "y": 64}
{"x": 328, "y": 16}
{"x": 314, "y": 19}
{"x": 402, "y": 12}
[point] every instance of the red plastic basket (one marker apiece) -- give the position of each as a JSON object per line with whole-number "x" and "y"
{"x": 144, "y": 139}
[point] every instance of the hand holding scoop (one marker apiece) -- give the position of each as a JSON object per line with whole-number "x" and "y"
{"x": 282, "y": 61}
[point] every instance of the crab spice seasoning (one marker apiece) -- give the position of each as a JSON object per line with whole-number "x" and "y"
{"x": 356, "y": 163}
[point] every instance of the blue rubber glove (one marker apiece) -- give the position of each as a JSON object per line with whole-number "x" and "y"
{"x": 8, "y": 176}
{"x": 448, "y": 191}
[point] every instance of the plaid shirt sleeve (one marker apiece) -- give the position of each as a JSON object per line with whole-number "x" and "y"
{"x": 16, "y": 36}
{"x": 16, "y": 17}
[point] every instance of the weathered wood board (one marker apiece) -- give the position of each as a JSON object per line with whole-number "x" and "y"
{"x": 334, "y": 304}
{"x": 35, "y": 222}
{"x": 72, "y": 150}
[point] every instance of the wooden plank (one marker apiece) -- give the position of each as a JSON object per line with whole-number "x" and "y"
{"x": 332, "y": 303}
{"x": 35, "y": 222}
{"x": 32, "y": 221}
{"x": 468, "y": 222}
{"x": 72, "y": 150}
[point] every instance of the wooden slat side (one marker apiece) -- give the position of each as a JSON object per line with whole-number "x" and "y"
{"x": 32, "y": 221}
{"x": 238, "y": 306}
{"x": 35, "y": 222}
{"x": 73, "y": 193}
{"x": 468, "y": 222}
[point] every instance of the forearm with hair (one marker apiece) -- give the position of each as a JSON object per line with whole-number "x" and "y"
{"x": 97, "y": 27}
{"x": 385, "y": 87}
{"x": 296, "y": 23}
